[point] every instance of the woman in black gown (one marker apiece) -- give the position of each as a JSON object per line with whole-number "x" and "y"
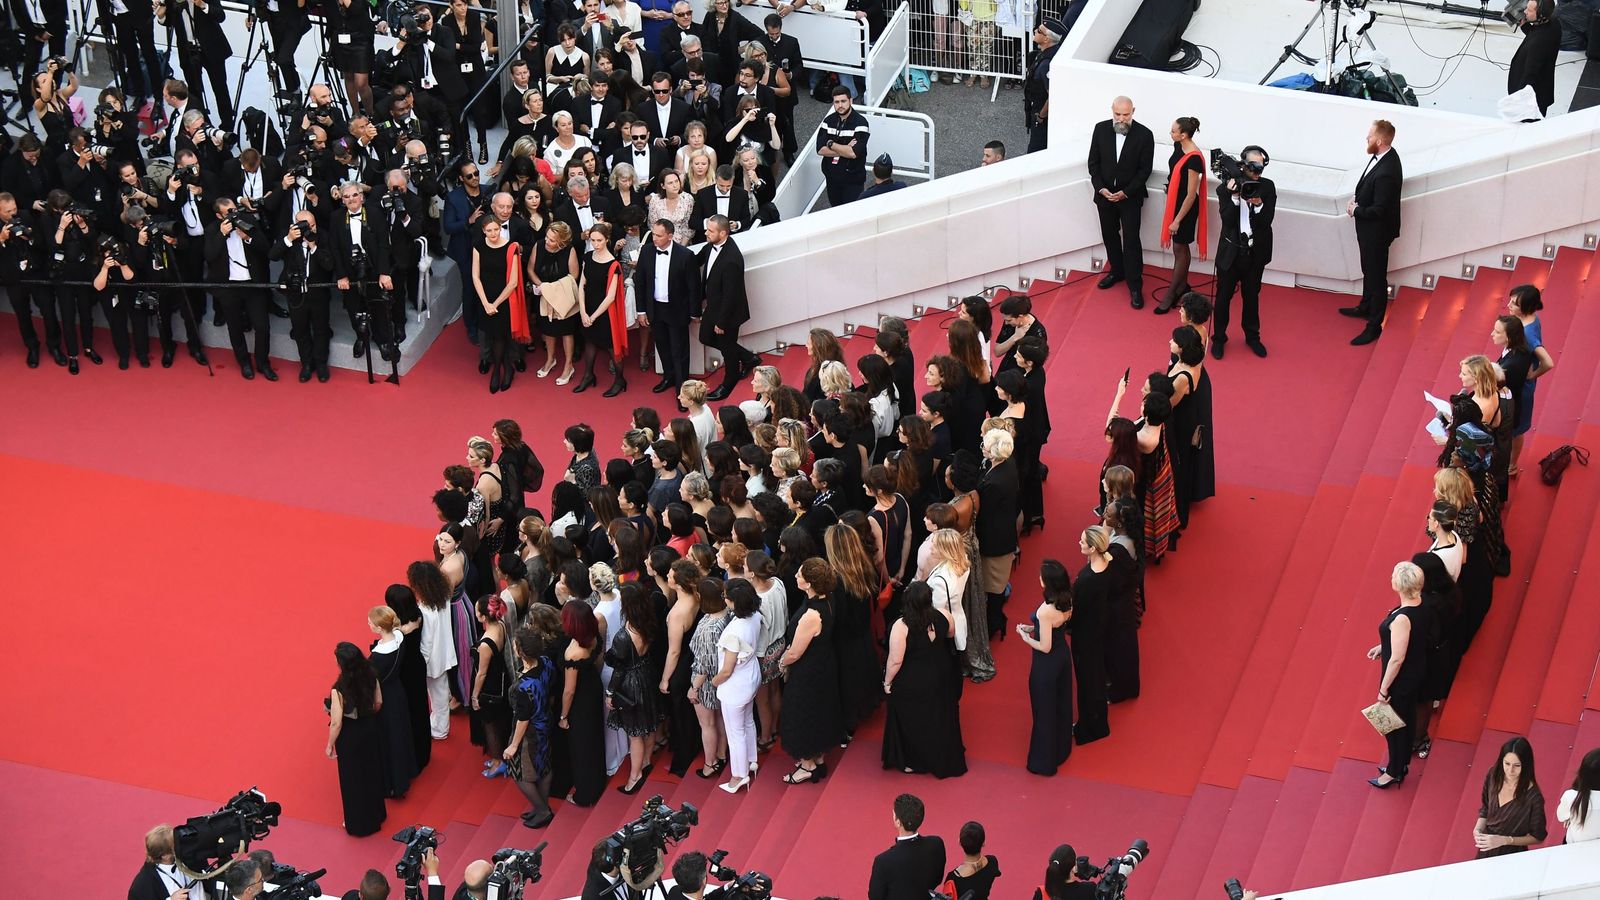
{"x": 1125, "y": 610}
{"x": 811, "y": 722}
{"x": 491, "y": 707}
{"x": 636, "y": 704}
{"x": 492, "y": 253}
{"x": 583, "y": 703}
{"x": 1534, "y": 63}
{"x": 1189, "y": 430}
{"x": 922, "y": 731}
{"x": 1050, "y": 678}
{"x": 354, "y": 741}
{"x": 1186, "y": 207}
{"x": 1402, "y": 655}
{"x": 678, "y": 668}
{"x": 853, "y": 595}
{"x": 603, "y": 311}
{"x": 1091, "y": 601}
{"x": 394, "y": 719}
{"x": 413, "y": 670}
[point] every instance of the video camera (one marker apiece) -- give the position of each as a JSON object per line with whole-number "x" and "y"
{"x": 209, "y": 841}
{"x": 752, "y": 885}
{"x": 291, "y": 884}
{"x": 1233, "y": 168}
{"x": 513, "y": 869}
{"x": 1113, "y": 876}
{"x": 419, "y": 839}
{"x": 639, "y": 844}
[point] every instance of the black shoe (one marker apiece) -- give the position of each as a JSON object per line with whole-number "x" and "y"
{"x": 1217, "y": 345}
{"x": 122, "y": 363}
{"x": 277, "y": 310}
{"x": 216, "y": 319}
{"x": 749, "y": 365}
{"x": 144, "y": 362}
{"x": 483, "y": 156}
{"x": 360, "y": 348}
{"x": 58, "y": 356}
{"x": 1367, "y": 336}
{"x": 1136, "y": 299}
{"x": 616, "y": 388}
{"x": 521, "y": 364}
{"x": 663, "y": 386}
{"x": 93, "y": 356}
{"x": 1354, "y": 312}
{"x": 200, "y": 357}
{"x": 1385, "y": 785}
{"x": 721, "y": 393}
{"x": 322, "y": 372}
{"x": 72, "y": 365}
{"x": 585, "y": 384}
{"x": 247, "y": 370}
{"x": 494, "y": 382}
{"x": 167, "y": 357}
{"x": 1107, "y": 280}
{"x": 1256, "y": 347}
{"x": 1164, "y": 308}
{"x": 391, "y": 353}
{"x": 305, "y": 372}
{"x": 33, "y": 357}
{"x": 483, "y": 366}
{"x": 268, "y": 372}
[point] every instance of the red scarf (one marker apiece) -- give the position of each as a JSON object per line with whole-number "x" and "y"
{"x": 618, "y": 310}
{"x": 1172, "y": 202}
{"x": 517, "y": 304}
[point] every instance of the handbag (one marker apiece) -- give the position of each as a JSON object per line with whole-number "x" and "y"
{"x": 559, "y": 299}
{"x": 1555, "y": 463}
{"x": 1383, "y": 717}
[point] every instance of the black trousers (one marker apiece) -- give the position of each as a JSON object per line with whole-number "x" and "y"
{"x": 172, "y": 300}
{"x": 23, "y": 299}
{"x": 143, "y": 71}
{"x": 1038, "y": 137}
{"x": 238, "y": 306}
{"x": 287, "y": 32}
{"x": 672, "y": 343}
{"x": 1401, "y": 739}
{"x": 735, "y": 357}
{"x": 196, "y": 62}
{"x": 381, "y": 331}
{"x": 117, "y": 306}
{"x": 405, "y": 299}
{"x": 191, "y": 268}
{"x": 33, "y": 57}
{"x": 310, "y": 326}
{"x": 844, "y": 187}
{"x": 75, "y": 306}
{"x": 1374, "y": 279}
{"x": 1245, "y": 276}
{"x": 1119, "y": 231}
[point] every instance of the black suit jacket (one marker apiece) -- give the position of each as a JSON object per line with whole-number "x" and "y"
{"x": 726, "y": 304}
{"x": 908, "y": 870}
{"x": 677, "y": 118}
{"x": 997, "y": 510}
{"x": 208, "y": 31}
{"x": 705, "y": 206}
{"x": 765, "y": 98}
{"x": 216, "y": 250}
{"x": 1127, "y": 173}
{"x": 605, "y": 136}
{"x": 659, "y": 159}
{"x": 1230, "y": 247}
{"x": 316, "y": 269}
{"x": 147, "y": 884}
{"x": 668, "y": 44}
{"x": 271, "y": 182}
{"x": 602, "y": 207}
{"x": 683, "y": 284}
{"x": 374, "y": 242}
{"x": 1378, "y": 200}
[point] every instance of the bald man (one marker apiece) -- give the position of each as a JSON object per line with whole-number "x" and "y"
{"x": 1121, "y": 153}
{"x": 475, "y": 881}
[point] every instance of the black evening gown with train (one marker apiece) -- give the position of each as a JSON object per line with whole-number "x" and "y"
{"x": 860, "y": 676}
{"x": 922, "y": 731}
{"x": 360, "y": 751}
{"x": 1122, "y": 623}
{"x": 1050, "y": 695}
{"x": 1091, "y": 599}
{"x": 414, "y": 678}
{"x": 586, "y": 733}
{"x": 394, "y": 721}
{"x": 811, "y": 721}
{"x": 684, "y": 724}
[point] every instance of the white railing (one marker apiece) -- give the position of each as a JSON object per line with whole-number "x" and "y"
{"x": 888, "y": 57}
{"x": 832, "y": 41}
{"x": 906, "y": 136}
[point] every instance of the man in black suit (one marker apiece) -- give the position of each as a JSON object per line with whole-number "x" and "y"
{"x": 236, "y": 255}
{"x": 724, "y": 198}
{"x": 202, "y": 46}
{"x": 783, "y": 51}
{"x": 24, "y": 176}
{"x": 668, "y": 298}
{"x": 670, "y": 42}
{"x": 596, "y": 117}
{"x": 640, "y": 152}
{"x": 287, "y": 24}
{"x": 914, "y": 865}
{"x": 665, "y": 115}
{"x": 1121, "y": 152}
{"x": 511, "y": 105}
{"x": 596, "y": 30}
{"x": 1376, "y": 209}
{"x": 726, "y": 306}
{"x": 159, "y": 878}
{"x": 16, "y": 263}
{"x": 582, "y": 208}
{"x": 1244, "y": 249}
{"x": 694, "y": 49}
{"x": 748, "y": 81}
{"x": 401, "y": 208}
{"x": 143, "y": 70}
{"x": 631, "y": 57}
{"x": 360, "y": 229}
{"x": 428, "y": 61}
{"x": 43, "y": 27}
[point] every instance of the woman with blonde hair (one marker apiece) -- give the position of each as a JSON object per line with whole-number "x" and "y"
{"x": 480, "y": 458}
{"x": 948, "y": 581}
{"x": 1091, "y": 607}
{"x": 785, "y": 469}
{"x": 394, "y": 720}
{"x": 624, "y": 184}
{"x": 764, "y": 381}
{"x": 556, "y": 264}
{"x": 533, "y": 126}
{"x": 792, "y": 435}
{"x": 699, "y": 171}
{"x": 834, "y": 378}
{"x": 821, "y": 347}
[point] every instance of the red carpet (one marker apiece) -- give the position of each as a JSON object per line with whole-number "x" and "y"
{"x": 188, "y": 549}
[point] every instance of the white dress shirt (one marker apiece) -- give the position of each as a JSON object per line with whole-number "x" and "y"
{"x": 663, "y": 264}
{"x": 238, "y": 267}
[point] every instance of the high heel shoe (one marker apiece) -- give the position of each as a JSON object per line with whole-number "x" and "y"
{"x": 736, "y": 785}
{"x": 584, "y": 384}
{"x": 716, "y": 769}
{"x": 1385, "y": 785}
{"x": 483, "y": 155}
{"x": 506, "y": 375}
{"x": 494, "y": 381}
{"x": 617, "y": 387}
{"x": 495, "y": 772}
{"x": 816, "y": 773}
{"x": 637, "y": 785}
{"x": 483, "y": 366}
{"x": 565, "y": 377}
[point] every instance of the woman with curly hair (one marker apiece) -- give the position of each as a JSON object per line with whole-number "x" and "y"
{"x": 432, "y": 591}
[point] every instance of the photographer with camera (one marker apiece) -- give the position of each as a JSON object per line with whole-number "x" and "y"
{"x": 160, "y": 878}
{"x": 212, "y": 146}
{"x": 130, "y": 186}
{"x": 429, "y": 61}
{"x": 402, "y": 208}
{"x": 307, "y": 261}
{"x": 319, "y": 110}
{"x": 689, "y": 873}
{"x": 68, "y": 251}
{"x": 351, "y": 165}
{"x": 189, "y": 193}
{"x": 1247, "y": 203}
{"x": 361, "y": 256}
{"x": 196, "y": 31}
{"x": 18, "y": 261}
{"x": 1061, "y": 881}
{"x": 111, "y": 292}
{"x": 82, "y": 173}
{"x": 154, "y": 245}
{"x": 117, "y": 129}
{"x": 236, "y": 254}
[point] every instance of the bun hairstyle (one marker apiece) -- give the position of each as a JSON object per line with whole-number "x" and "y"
{"x": 491, "y": 607}
{"x": 383, "y": 617}
{"x": 1188, "y": 126}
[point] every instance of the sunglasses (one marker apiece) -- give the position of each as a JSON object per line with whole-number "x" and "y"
{"x": 469, "y": 174}
{"x": 661, "y": 93}
{"x": 682, "y": 15}
{"x": 641, "y": 137}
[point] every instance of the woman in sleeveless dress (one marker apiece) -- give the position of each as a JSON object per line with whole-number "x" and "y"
{"x": 394, "y": 717}
{"x": 1402, "y": 656}
{"x": 1125, "y": 609}
{"x": 636, "y": 705}
{"x": 1091, "y": 599}
{"x": 677, "y": 674}
{"x": 1185, "y": 215}
{"x": 490, "y": 706}
{"x": 1050, "y": 677}
{"x": 922, "y": 731}
{"x": 707, "y": 660}
{"x": 811, "y": 716}
{"x": 50, "y": 108}
{"x": 849, "y": 618}
{"x": 563, "y": 63}
{"x": 1189, "y": 429}
{"x": 354, "y": 740}
{"x": 463, "y": 621}
{"x": 607, "y": 603}
{"x": 1525, "y": 303}
{"x": 490, "y": 486}
{"x": 489, "y": 268}
{"x": 556, "y": 259}
{"x": 603, "y": 317}
{"x": 582, "y": 704}
{"x": 413, "y": 670}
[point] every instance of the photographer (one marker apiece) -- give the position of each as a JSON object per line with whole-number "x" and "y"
{"x": 1244, "y": 249}
{"x": 211, "y": 146}
{"x": 117, "y": 129}
{"x": 401, "y": 207}
{"x": 287, "y": 24}
{"x": 130, "y": 186}
{"x": 689, "y": 872}
{"x": 307, "y": 268}
{"x": 159, "y": 877}
{"x": 155, "y": 246}
{"x": 360, "y": 256}
{"x": 196, "y": 27}
{"x": 143, "y": 69}
{"x": 82, "y": 173}
{"x": 429, "y": 61}
{"x": 254, "y": 181}
{"x": 320, "y": 110}
{"x": 600, "y": 879}
{"x": 423, "y": 172}
{"x": 350, "y": 165}
{"x": 1061, "y": 880}
{"x": 68, "y": 246}
{"x": 190, "y": 191}
{"x": 364, "y": 141}
{"x": 23, "y": 176}
{"x": 244, "y": 880}
{"x": 235, "y": 254}
{"x": 111, "y": 292}
{"x": 373, "y": 887}
{"x": 18, "y": 261}
{"x": 474, "y": 881}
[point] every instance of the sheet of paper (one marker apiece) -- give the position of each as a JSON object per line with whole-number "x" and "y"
{"x": 1436, "y": 427}
{"x": 1441, "y": 405}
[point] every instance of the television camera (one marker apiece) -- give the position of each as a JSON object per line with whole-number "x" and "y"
{"x": 1112, "y": 883}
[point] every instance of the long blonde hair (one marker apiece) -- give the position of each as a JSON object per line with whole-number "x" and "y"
{"x": 950, "y": 547}
{"x": 857, "y": 572}
{"x": 1453, "y": 486}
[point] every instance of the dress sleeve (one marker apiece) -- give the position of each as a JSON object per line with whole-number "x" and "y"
{"x": 1535, "y": 815}
{"x": 733, "y": 640}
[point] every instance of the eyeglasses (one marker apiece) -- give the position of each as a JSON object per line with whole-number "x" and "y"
{"x": 469, "y": 174}
{"x": 682, "y": 15}
{"x": 660, "y": 92}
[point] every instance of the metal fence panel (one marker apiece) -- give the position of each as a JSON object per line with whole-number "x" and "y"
{"x": 976, "y": 37}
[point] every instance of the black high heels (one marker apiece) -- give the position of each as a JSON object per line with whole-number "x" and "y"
{"x": 1385, "y": 785}
{"x": 583, "y": 385}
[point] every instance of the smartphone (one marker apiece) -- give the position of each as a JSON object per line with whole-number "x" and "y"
{"x": 1125, "y": 373}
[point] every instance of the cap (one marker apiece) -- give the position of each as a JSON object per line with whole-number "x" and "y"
{"x": 1054, "y": 25}
{"x": 884, "y": 159}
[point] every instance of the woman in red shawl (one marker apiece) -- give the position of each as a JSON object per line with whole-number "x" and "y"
{"x": 604, "y": 312}
{"x": 1186, "y": 207}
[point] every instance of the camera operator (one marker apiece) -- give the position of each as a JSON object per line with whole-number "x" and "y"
{"x": 155, "y": 247}
{"x": 360, "y": 257}
{"x": 600, "y": 879}
{"x": 689, "y": 872}
{"x": 401, "y": 207}
{"x": 474, "y": 881}
{"x": 307, "y": 261}
{"x": 1061, "y": 880}
{"x": 244, "y": 880}
{"x": 82, "y": 173}
{"x": 190, "y": 191}
{"x": 69, "y": 250}
{"x": 1244, "y": 249}
{"x": 287, "y": 24}
{"x": 423, "y": 171}
{"x": 159, "y": 877}
{"x": 196, "y": 30}
{"x": 116, "y": 128}
{"x": 23, "y": 176}
{"x": 111, "y": 292}
{"x": 416, "y": 115}
{"x": 236, "y": 254}
{"x": 18, "y": 261}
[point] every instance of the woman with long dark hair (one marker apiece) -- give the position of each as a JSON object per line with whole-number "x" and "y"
{"x": 354, "y": 740}
{"x": 821, "y": 346}
{"x": 1511, "y": 818}
{"x": 490, "y": 682}
{"x": 922, "y": 732}
{"x": 1578, "y": 801}
{"x": 1050, "y": 678}
{"x": 1058, "y": 876}
{"x": 582, "y": 709}
{"x": 683, "y": 615}
{"x": 432, "y": 591}
{"x": 452, "y": 559}
{"x": 976, "y": 310}
{"x": 413, "y": 670}
{"x": 636, "y": 707}
{"x": 1122, "y": 438}
{"x": 707, "y": 661}
{"x": 1524, "y": 303}
{"x": 811, "y": 717}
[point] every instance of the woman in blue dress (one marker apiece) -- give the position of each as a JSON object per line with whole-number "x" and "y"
{"x": 1525, "y": 303}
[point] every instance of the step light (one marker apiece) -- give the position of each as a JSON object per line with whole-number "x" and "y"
{"x": 849, "y": 328}
{"x": 1096, "y": 264}
{"x": 1468, "y": 270}
{"x": 1025, "y": 282}
{"x": 1389, "y": 292}
{"x": 918, "y": 311}
{"x": 1589, "y": 241}
{"x": 782, "y": 346}
{"x": 1427, "y": 281}
{"x": 1549, "y": 251}
{"x": 1061, "y": 274}
{"x": 952, "y": 302}
{"x": 1507, "y": 261}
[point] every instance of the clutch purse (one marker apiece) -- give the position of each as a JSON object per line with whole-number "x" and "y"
{"x": 1383, "y": 717}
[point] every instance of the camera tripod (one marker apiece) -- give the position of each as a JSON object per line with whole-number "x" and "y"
{"x": 98, "y": 29}
{"x": 254, "y": 50}
{"x": 1337, "y": 39}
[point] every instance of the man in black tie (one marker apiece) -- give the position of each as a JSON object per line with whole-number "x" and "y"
{"x": 665, "y": 115}
{"x": 1376, "y": 209}
{"x": 582, "y": 208}
{"x": 1121, "y": 152}
{"x": 307, "y": 261}
{"x": 1244, "y": 249}
{"x": 159, "y": 878}
{"x": 360, "y": 256}
{"x": 631, "y": 56}
{"x": 596, "y": 118}
{"x": 236, "y": 254}
{"x": 642, "y": 154}
{"x": 914, "y": 865}
{"x": 667, "y": 283}
{"x": 724, "y": 198}
{"x": 727, "y": 307}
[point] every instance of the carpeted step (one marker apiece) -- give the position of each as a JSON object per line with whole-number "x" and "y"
{"x": 1333, "y": 829}
{"x": 1288, "y": 831}
{"x": 1556, "y": 754}
{"x": 774, "y": 845}
{"x": 1434, "y": 787}
{"x": 1376, "y": 833}
{"x": 1190, "y": 857}
{"x": 462, "y": 846}
{"x": 1458, "y": 833}
{"x": 1570, "y": 324}
{"x": 1240, "y": 833}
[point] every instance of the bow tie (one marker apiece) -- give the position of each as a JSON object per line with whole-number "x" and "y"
{"x": 663, "y": 252}
{"x": 595, "y": 102}
{"x": 580, "y": 206}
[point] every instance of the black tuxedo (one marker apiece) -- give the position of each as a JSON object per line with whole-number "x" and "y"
{"x": 649, "y": 64}
{"x": 677, "y": 119}
{"x": 726, "y": 307}
{"x": 405, "y": 255}
{"x": 705, "y": 206}
{"x": 309, "y": 324}
{"x": 714, "y": 71}
{"x": 908, "y": 870}
{"x": 363, "y": 296}
{"x": 1241, "y": 260}
{"x": 54, "y": 15}
{"x": 668, "y": 44}
{"x": 143, "y": 71}
{"x": 28, "y": 183}
{"x": 659, "y": 159}
{"x": 1377, "y": 218}
{"x": 1125, "y": 173}
{"x": 669, "y": 318}
{"x": 239, "y": 304}
{"x": 582, "y": 117}
{"x": 233, "y": 178}
{"x": 766, "y": 99}
{"x": 148, "y": 885}
{"x": 207, "y": 49}
{"x": 18, "y": 261}
{"x": 603, "y": 209}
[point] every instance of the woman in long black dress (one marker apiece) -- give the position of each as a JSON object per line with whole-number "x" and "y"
{"x": 1011, "y": 387}
{"x": 1050, "y": 678}
{"x": 1441, "y": 601}
{"x": 353, "y": 740}
{"x": 1403, "y": 655}
{"x": 490, "y": 704}
{"x": 413, "y": 670}
{"x": 1534, "y": 63}
{"x": 811, "y": 719}
{"x": 470, "y": 32}
{"x": 583, "y": 703}
{"x": 1125, "y": 609}
{"x": 604, "y": 310}
{"x": 1091, "y": 600}
{"x": 636, "y": 704}
{"x": 1189, "y": 430}
{"x": 678, "y": 670}
{"x": 394, "y": 719}
{"x": 1186, "y": 207}
{"x": 556, "y": 259}
{"x": 922, "y": 731}
{"x": 853, "y": 595}
{"x": 492, "y": 254}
